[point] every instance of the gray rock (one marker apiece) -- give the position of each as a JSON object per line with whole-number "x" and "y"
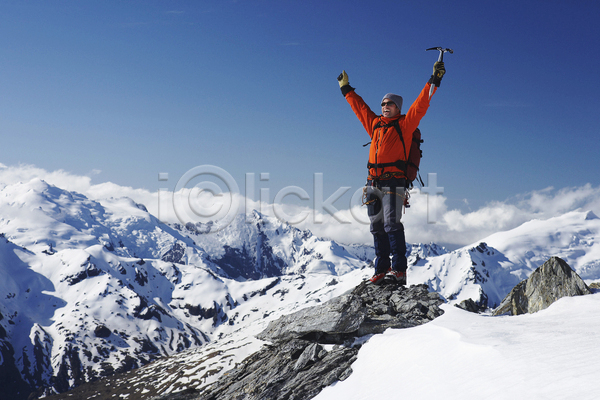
{"x": 367, "y": 310}
{"x": 471, "y": 306}
{"x": 553, "y": 280}
{"x": 311, "y": 354}
{"x": 272, "y": 373}
{"x": 337, "y": 317}
{"x": 297, "y": 365}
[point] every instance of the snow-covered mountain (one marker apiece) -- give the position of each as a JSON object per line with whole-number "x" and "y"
{"x": 91, "y": 288}
{"x": 487, "y": 270}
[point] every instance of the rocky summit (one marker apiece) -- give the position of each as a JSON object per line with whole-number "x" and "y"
{"x": 316, "y": 346}
{"x": 553, "y": 280}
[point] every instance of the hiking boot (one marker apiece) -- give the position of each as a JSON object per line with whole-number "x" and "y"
{"x": 399, "y": 276}
{"x": 377, "y": 279}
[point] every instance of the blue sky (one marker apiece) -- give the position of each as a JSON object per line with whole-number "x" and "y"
{"x": 124, "y": 90}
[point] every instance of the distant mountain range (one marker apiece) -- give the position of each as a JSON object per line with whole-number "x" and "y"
{"x": 93, "y": 288}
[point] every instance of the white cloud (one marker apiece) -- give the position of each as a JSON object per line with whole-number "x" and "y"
{"x": 25, "y": 173}
{"x": 76, "y": 183}
{"x": 427, "y": 220}
{"x": 455, "y": 227}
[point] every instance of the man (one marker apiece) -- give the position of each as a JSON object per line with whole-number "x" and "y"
{"x": 386, "y": 184}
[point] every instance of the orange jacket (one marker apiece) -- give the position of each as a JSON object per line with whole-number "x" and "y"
{"x": 386, "y": 146}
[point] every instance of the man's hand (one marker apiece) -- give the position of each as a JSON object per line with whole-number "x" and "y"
{"x": 438, "y": 69}
{"x": 343, "y": 79}
{"x": 344, "y": 85}
{"x": 438, "y": 72}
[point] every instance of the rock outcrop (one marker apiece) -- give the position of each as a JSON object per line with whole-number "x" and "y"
{"x": 553, "y": 280}
{"x": 316, "y": 346}
{"x": 471, "y": 306}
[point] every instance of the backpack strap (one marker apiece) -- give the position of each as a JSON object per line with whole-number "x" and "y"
{"x": 400, "y": 164}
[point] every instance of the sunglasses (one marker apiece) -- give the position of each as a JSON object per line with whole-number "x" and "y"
{"x": 388, "y": 103}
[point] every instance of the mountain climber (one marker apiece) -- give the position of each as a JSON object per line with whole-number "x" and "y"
{"x": 387, "y": 185}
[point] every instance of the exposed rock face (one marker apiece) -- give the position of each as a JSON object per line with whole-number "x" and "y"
{"x": 295, "y": 369}
{"x": 12, "y": 384}
{"x": 471, "y": 306}
{"x": 553, "y": 280}
{"x": 299, "y": 364}
{"x": 368, "y": 309}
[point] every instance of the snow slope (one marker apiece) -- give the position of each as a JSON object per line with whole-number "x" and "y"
{"x": 552, "y": 354}
{"x": 574, "y": 237}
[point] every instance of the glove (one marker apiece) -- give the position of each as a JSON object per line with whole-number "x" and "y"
{"x": 344, "y": 85}
{"x": 343, "y": 79}
{"x": 438, "y": 73}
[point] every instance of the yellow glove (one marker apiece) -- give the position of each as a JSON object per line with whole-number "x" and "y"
{"x": 343, "y": 79}
{"x": 439, "y": 70}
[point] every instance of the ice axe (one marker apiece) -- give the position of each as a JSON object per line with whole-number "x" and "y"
{"x": 440, "y": 58}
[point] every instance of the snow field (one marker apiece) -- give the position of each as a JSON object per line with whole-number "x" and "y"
{"x": 552, "y": 354}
